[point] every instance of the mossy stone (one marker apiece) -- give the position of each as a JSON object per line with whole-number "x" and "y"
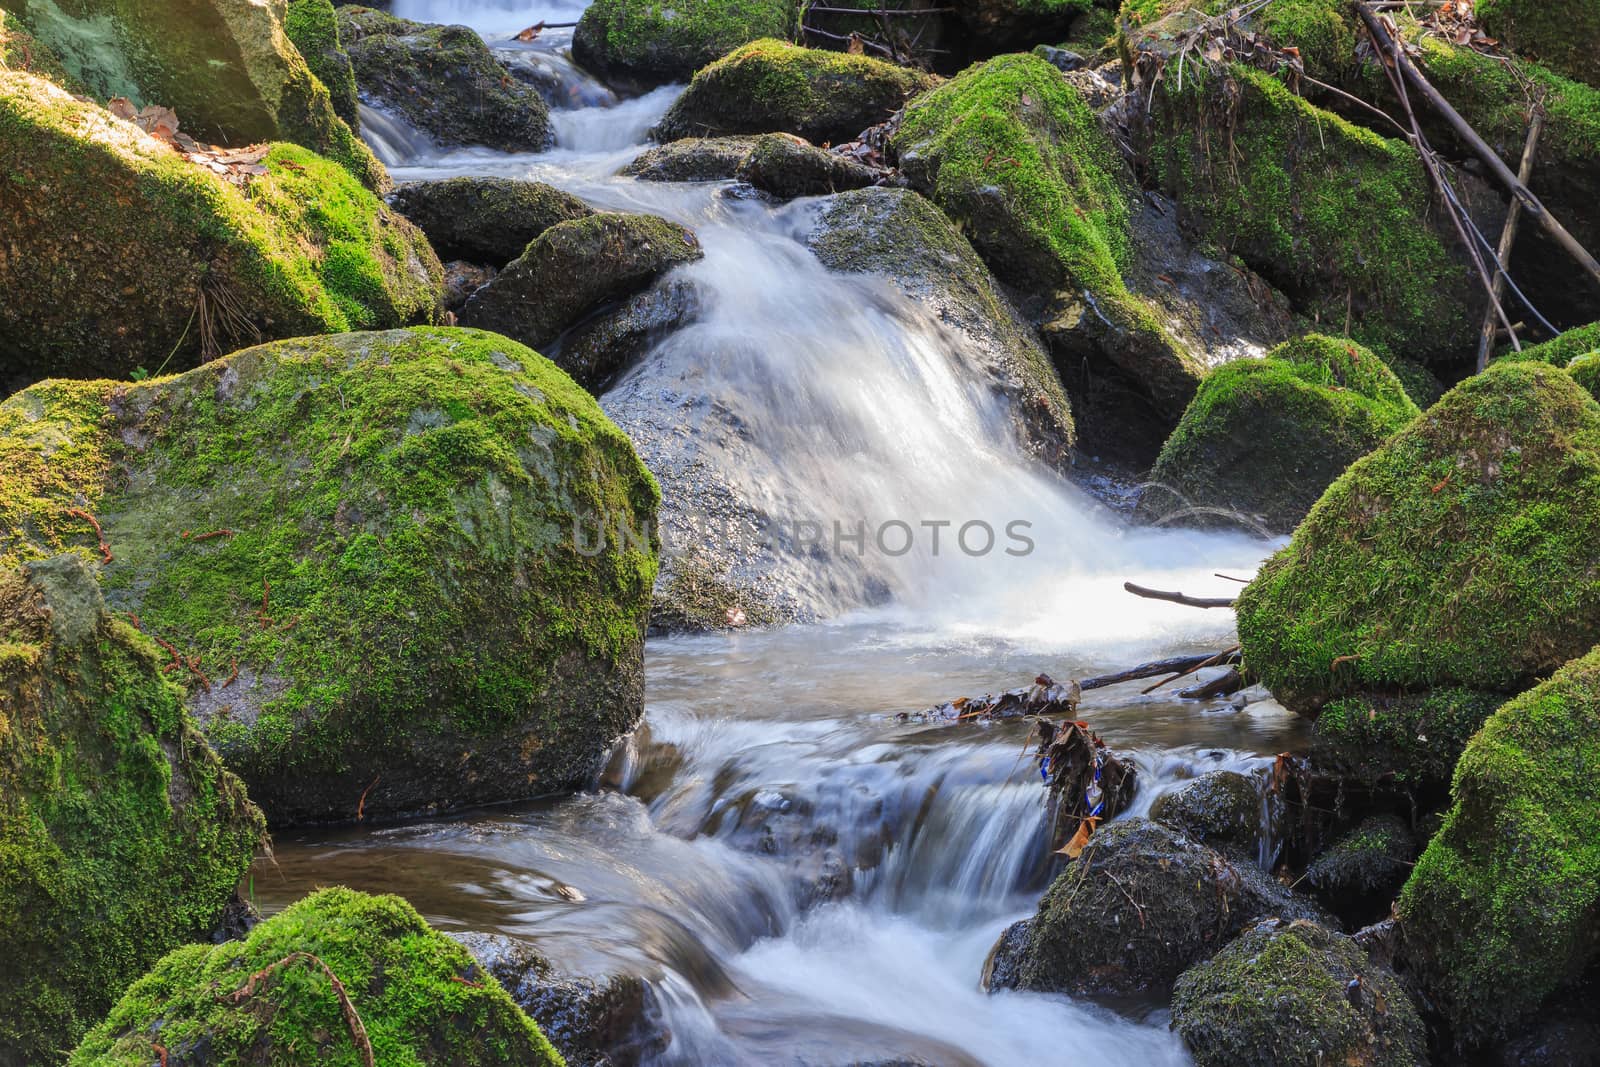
{"x": 1457, "y": 554}
{"x": 1408, "y": 741}
{"x": 786, "y": 167}
{"x": 421, "y": 998}
{"x": 1559, "y": 351}
{"x": 1220, "y": 808}
{"x": 691, "y": 159}
{"x": 1501, "y": 909}
{"x": 314, "y": 30}
{"x": 121, "y": 835}
{"x": 378, "y": 533}
{"x": 640, "y": 44}
{"x": 118, "y": 253}
{"x": 1372, "y": 860}
{"x": 771, "y": 86}
{"x": 1263, "y": 438}
{"x": 485, "y": 220}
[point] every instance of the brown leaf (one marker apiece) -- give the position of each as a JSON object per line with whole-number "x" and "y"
{"x": 532, "y": 32}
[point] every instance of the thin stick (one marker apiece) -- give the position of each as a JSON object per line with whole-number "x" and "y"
{"x": 1213, "y": 661}
{"x": 1144, "y": 670}
{"x": 1508, "y": 237}
{"x": 1179, "y": 598}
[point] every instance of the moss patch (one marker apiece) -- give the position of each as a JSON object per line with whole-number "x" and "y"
{"x": 1409, "y": 742}
{"x": 1559, "y": 33}
{"x": 421, "y": 997}
{"x": 314, "y": 30}
{"x": 639, "y": 44}
{"x": 121, "y": 836}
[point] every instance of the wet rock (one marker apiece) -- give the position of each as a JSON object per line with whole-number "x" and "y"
{"x": 596, "y": 352}
{"x": 613, "y": 1021}
{"x": 692, "y": 159}
{"x": 574, "y": 267}
{"x": 488, "y": 221}
{"x": 122, "y": 835}
{"x": 314, "y": 29}
{"x": 1220, "y": 808}
{"x": 1500, "y": 912}
{"x": 1565, "y": 1034}
{"x": 381, "y": 604}
{"x": 772, "y": 86}
{"x": 226, "y": 67}
{"x": 1291, "y": 993}
{"x": 1141, "y": 904}
{"x": 444, "y": 81}
{"x": 119, "y": 253}
{"x": 787, "y": 167}
{"x": 1062, "y": 59}
{"x": 1263, "y": 439}
{"x": 462, "y": 279}
{"x": 422, "y": 998}
{"x": 1369, "y": 863}
{"x": 639, "y": 44}
{"x": 1453, "y": 556}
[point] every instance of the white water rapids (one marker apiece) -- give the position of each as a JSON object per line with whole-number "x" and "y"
{"x": 802, "y": 879}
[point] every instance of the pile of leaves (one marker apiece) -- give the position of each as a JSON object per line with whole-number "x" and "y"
{"x": 234, "y": 165}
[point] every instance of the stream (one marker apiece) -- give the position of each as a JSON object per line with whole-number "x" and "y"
{"x": 800, "y": 877}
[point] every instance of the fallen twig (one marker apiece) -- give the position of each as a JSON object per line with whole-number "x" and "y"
{"x": 358, "y": 1031}
{"x": 1213, "y": 661}
{"x": 1508, "y": 237}
{"x": 1178, "y": 598}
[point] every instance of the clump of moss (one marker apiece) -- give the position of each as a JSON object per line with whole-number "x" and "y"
{"x": 121, "y": 253}
{"x": 421, "y": 997}
{"x": 314, "y": 29}
{"x": 1411, "y": 741}
{"x": 121, "y": 836}
{"x": 1559, "y": 351}
{"x": 1558, "y": 33}
{"x": 1264, "y": 438}
{"x": 771, "y": 86}
{"x": 1282, "y": 993}
{"x": 1500, "y": 911}
{"x": 1585, "y": 370}
{"x": 368, "y": 549}
{"x": 1457, "y": 554}
{"x": 640, "y": 44}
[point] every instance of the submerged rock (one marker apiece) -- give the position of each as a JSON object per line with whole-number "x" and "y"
{"x": 1456, "y": 555}
{"x": 692, "y": 159}
{"x": 1501, "y": 910}
{"x": 314, "y": 29}
{"x": 121, "y": 836}
{"x": 118, "y": 253}
{"x": 1263, "y": 438}
{"x": 574, "y": 267}
{"x": 363, "y": 552}
{"x": 489, "y": 221}
{"x": 639, "y": 44}
{"x": 1296, "y": 993}
{"x": 419, "y": 996}
{"x": 1220, "y": 808}
{"x": 772, "y": 86}
{"x": 1138, "y": 907}
{"x": 444, "y": 81}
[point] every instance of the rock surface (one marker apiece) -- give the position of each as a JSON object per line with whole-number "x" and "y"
{"x": 639, "y": 44}
{"x": 364, "y": 549}
{"x": 421, "y": 998}
{"x": 1221, "y": 809}
{"x": 121, "y": 836}
{"x": 599, "y": 350}
{"x": 788, "y": 167}
{"x": 488, "y": 221}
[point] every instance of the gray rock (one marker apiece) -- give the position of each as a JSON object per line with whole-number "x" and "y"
{"x": 597, "y": 351}
{"x": 1221, "y": 809}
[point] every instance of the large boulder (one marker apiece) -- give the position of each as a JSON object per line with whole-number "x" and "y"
{"x": 485, "y": 220}
{"x": 1263, "y": 438}
{"x": 121, "y": 836}
{"x": 639, "y": 44}
{"x": 574, "y": 267}
{"x": 1558, "y": 33}
{"x": 1138, "y": 907}
{"x": 444, "y": 81}
{"x": 1296, "y": 993}
{"x": 116, "y": 252}
{"x": 314, "y": 29}
{"x": 362, "y": 553}
{"x": 227, "y": 67}
{"x": 339, "y": 977}
{"x": 1409, "y": 741}
{"x": 1503, "y": 908}
{"x": 1457, "y": 554}
{"x": 771, "y": 86}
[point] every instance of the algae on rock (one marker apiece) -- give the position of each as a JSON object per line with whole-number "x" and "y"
{"x": 121, "y": 835}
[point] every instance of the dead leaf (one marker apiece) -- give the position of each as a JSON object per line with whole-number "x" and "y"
{"x": 532, "y": 32}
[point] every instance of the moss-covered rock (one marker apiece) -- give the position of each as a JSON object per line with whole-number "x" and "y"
{"x": 420, "y": 997}
{"x": 1296, "y": 993}
{"x": 1263, "y": 438}
{"x": 575, "y": 267}
{"x": 227, "y": 67}
{"x": 771, "y": 86}
{"x": 1559, "y": 351}
{"x": 1502, "y": 908}
{"x": 1558, "y": 33}
{"x": 692, "y": 159}
{"x": 1410, "y": 742}
{"x": 1371, "y": 861}
{"x": 444, "y": 81}
{"x": 1141, "y": 905}
{"x": 314, "y": 30}
{"x": 485, "y": 220}
{"x": 1457, "y": 554}
{"x": 640, "y": 44}
{"x": 1585, "y": 370}
{"x": 363, "y": 549}
{"x": 786, "y": 167}
{"x": 1221, "y": 809}
{"x": 121, "y": 836}
{"x": 118, "y": 253}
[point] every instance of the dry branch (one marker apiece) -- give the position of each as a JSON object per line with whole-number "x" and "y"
{"x": 1508, "y": 237}
{"x": 1179, "y": 598}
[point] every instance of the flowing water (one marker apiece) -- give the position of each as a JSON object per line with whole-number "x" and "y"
{"x": 801, "y": 877}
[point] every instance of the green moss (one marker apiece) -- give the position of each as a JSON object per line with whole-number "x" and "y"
{"x": 1559, "y": 33}
{"x": 1266, "y": 437}
{"x": 1500, "y": 911}
{"x": 1411, "y": 742}
{"x": 771, "y": 86}
{"x": 313, "y": 28}
{"x": 1371, "y": 861}
{"x": 411, "y": 498}
{"x": 421, "y": 997}
{"x": 1457, "y": 554}
{"x": 1559, "y": 351}
{"x": 644, "y": 43}
{"x": 1585, "y": 370}
{"x": 121, "y": 836}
